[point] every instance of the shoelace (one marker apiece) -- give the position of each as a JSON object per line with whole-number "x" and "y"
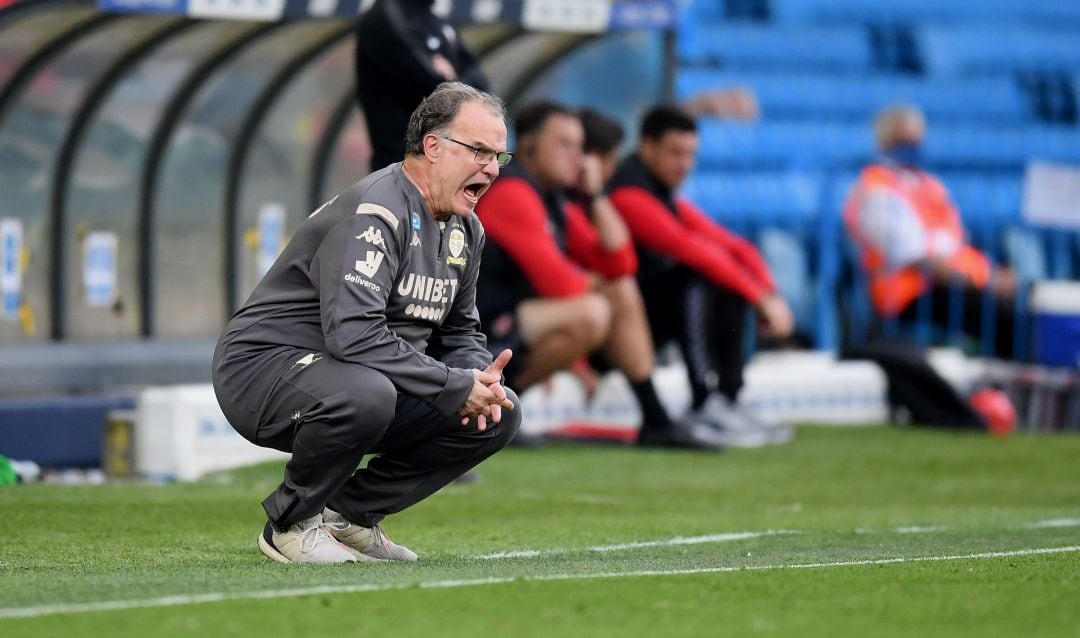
{"x": 311, "y": 537}
{"x": 380, "y": 536}
{"x": 337, "y": 526}
{"x": 341, "y": 526}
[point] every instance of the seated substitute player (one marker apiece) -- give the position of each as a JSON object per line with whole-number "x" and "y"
{"x": 558, "y": 281}
{"x": 697, "y": 278}
{"x": 603, "y": 140}
{"x": 913, "y": 242}
{"x": 363, "y": 338}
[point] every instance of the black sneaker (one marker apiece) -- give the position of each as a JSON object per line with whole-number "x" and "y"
{"x": 681, "y": 435}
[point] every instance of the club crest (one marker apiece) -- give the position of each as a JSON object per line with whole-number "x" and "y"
{"x": 457, "y": 247}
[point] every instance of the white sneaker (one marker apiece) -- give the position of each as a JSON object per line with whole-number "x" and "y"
{"x": 734, "y": 428}
{"x": 777, "y": 433}
{"x": 365, "y": 543}
{"x": 307, "y": 541}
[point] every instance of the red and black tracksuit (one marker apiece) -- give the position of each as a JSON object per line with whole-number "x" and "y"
{"x": 697, "y": 278}
{"x": 540, "y": 244}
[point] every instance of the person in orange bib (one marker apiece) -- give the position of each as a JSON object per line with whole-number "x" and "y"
{"x": 912, "y": 241}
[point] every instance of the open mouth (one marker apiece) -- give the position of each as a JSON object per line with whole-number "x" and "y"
{"x": 474, "y": 191}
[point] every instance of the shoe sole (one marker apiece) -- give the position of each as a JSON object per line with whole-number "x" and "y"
{"x": 679, "y": 445}
{"x": 781, "y": 435}
{"x": 745, "y": 440}
{"x": 271, "y": 552}
{"x": 361, "y": 557}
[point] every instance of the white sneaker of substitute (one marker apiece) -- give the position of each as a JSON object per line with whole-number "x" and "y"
{"x": 365, "y": 543}
{"x": 742, "y": 426}
{"x": 307, "y": 541}
{"x": 777, "y": 433}
{"x": 732, "y": 427}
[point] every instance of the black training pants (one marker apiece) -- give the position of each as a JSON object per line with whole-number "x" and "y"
{"x": 329, "y": 414}
{"x": 708, "y": 323}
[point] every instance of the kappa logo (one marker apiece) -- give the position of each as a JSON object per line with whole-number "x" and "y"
{"x": 369, "y": 266}
{"x": 373, "y": 236}
{"x": 416, "y": 241}
{"x": 457, "y": 245}
{"x": 306, "y": 360}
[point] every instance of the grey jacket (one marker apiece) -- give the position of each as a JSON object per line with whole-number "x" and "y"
{"x": 371, "y": 278}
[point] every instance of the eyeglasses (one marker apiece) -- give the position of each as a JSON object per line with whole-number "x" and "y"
{"x": 485, "y": 155}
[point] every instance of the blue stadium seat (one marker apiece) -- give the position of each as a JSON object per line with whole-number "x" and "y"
{"x": 789, "y": 95}
{"x": 1076, "y": 250}
{"x": 816, "y": 68}
{"x": 701, "y": 13}
{"x": 853, "y": 294}
{"x": 806, "y": 144}
{"x": 1062, "y": 263}
{"x": 835, "y": 193}
{"x": 985, "y": 196}
{"x": 760, "y": 46}
{"x": 744, "y": 201}
{"x": 987, "y": 203}
{"x": 1008, "y": 147}
{"x": 925, "y": 11}
{"x": 790, "y": 266}
{"x": 1025, "y": 252}
{"x": 998, "y": 49}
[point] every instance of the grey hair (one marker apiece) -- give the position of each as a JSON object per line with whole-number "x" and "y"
{"x": 890, "y": 120}
{"x": 440, "y": 108}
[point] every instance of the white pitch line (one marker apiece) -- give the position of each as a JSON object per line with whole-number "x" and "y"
{"x": 579, "y": 498}
{"x": 195, "y": 599}
{"x": 1056, "y": 522}
{"x": 667, "y": 542}
{"x": 920, "y": 529}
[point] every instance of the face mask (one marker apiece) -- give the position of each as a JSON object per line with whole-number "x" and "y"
{"x": 907, "y": 154}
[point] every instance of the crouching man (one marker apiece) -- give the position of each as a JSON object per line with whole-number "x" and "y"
{"x": 363, "y": 338}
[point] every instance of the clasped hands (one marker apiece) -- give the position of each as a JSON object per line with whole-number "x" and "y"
{"x": 487, "y": 397}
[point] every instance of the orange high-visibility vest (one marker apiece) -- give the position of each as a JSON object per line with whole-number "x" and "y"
{"x": 892, "y": 290}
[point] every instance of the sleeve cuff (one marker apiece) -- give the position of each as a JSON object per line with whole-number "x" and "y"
{"x": 456, "y": 391}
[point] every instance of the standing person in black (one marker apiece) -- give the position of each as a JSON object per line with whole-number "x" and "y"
{"x": 363, "y": 337}
{"x": 403, "y": 51}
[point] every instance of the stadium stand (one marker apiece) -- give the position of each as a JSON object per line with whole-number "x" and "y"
{"x": 154, "y": 157}
{"x": 749, "y": 46}
{"x": 857, "y": 97}
{"x": 1051, "y": 12}
{"x": 994, "y": 49}
{"x": 93, "y": 139}
{"x": 998, "y": 81}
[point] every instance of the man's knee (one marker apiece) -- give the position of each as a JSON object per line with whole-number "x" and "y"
{"x": 362, "y": 414}
{"x": 594, "y": 321}
{"x": 511, "y": 419}
{"x": 499, "y": 436}
{"x": 625, "y": 295}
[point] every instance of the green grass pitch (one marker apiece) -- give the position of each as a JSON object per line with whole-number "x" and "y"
{"x": 845, "y": 532}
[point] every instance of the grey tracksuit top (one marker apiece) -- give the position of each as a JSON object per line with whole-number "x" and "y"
{"x": 371, "y": 278}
